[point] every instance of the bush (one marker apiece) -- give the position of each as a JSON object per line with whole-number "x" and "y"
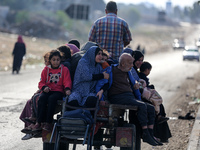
{"x": 63, "y": 19}
{"x": 22, "y": 16}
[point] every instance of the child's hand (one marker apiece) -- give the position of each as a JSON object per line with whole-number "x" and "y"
{"x": 143, "y": 82}
{"x": 46, "y": 89}
{"x": 106, "y": 75}
{"x": 136, "y": 86}
{"x": 68, "y": 92}
{"x": 100, "y": 93}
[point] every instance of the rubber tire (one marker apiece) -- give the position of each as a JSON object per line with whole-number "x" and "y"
{"x": 50, "y": 146}
{"x": 134, "y": 120}
{"x": 108, "y": 146}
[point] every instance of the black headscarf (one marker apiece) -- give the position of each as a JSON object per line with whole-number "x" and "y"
{"x": 97, "y": 50}
{"x": 75, "y": 42}
{"x": 137, "y": 55}
{"x": 66, "y": 51}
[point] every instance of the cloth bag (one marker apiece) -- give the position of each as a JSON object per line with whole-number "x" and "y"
{"x": 154, "y": 97}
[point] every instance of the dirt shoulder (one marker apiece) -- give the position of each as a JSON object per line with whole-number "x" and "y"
{"x": 186, "y": 100}
{"x": 35, "y": 49}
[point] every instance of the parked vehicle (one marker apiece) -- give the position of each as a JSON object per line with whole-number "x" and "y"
{"x": 191, "y": 52}
{"x": 178, "y": 43}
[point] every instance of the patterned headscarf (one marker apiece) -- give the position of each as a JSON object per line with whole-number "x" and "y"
{"x": 73, "y": 47}
{"x": 83, "y": 85}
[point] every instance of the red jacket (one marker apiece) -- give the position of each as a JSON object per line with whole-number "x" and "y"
{"x": 56, "y": 79}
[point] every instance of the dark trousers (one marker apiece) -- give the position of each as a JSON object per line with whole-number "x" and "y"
{"x": 162, "y": 131}
{"x": 146, "y": 112}
{"x": 47, "y": 104}
{"x": 89, "y": 103}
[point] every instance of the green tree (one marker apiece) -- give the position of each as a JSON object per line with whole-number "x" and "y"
{"x": 195, "y": 12}
{"x": 131, "y": 15}
{"x": 178, "y": 13}
{"x": 63, "y": 19}
{"x": 186, "y": 11}
{"x": 21, "y": 17}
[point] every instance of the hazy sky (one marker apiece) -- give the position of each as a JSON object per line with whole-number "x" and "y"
{"x": 159, "y": 3}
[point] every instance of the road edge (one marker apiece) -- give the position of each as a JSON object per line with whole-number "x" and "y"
{"x": 194, "y": 141}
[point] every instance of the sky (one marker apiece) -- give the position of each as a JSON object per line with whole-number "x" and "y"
{"x": 158, "y": 3}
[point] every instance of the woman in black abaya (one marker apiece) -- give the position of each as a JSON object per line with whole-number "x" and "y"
{"x": 18, "y": 52}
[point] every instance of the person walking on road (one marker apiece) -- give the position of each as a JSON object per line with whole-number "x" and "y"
{"x": 111, "y": 32}
{"x": 18, "y": 52}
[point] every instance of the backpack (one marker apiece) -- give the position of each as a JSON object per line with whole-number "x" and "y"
{"x": 74, "y": 62}
{"x": 80, "y": 113}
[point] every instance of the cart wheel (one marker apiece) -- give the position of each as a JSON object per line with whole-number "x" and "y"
{"x": 133, "y": 138}
{"x": 108, "y": 146}
{"x": 134, "y": 120}
{"x": 50, "y": 146}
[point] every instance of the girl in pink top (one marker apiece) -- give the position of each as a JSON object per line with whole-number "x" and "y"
{"x": 55, "y": 83}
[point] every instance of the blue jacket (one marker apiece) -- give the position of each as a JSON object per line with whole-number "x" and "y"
{"x": 108, "y": 70}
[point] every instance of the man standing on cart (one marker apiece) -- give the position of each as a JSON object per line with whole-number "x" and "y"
{"x": 111, "y": 32}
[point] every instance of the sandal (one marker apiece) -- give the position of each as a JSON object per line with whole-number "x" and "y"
{"x": 28, "y": 129}
{"x": 30, "y": 119}
{"x": 37, "y": 127}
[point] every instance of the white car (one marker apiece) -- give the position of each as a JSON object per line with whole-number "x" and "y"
{"x": 191, "y": 52}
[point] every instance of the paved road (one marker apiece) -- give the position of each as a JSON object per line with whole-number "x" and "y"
{"x": 169, "y": 72}
{"x": 15, "y": 90}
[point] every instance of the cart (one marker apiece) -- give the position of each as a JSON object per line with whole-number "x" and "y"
{"x": 111, "y": 128}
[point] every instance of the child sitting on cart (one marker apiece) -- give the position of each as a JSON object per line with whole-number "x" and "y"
{"x": 55, "y": 82}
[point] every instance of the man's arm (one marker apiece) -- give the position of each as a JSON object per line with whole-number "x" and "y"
{"x": 127, "y": 35}
{"x": 126, "y": 43}
{"x": 92, "y": 34}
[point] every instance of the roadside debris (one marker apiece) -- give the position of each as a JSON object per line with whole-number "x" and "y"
{"x": 188, "y": 116}
{"x": 195, "y": 101}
